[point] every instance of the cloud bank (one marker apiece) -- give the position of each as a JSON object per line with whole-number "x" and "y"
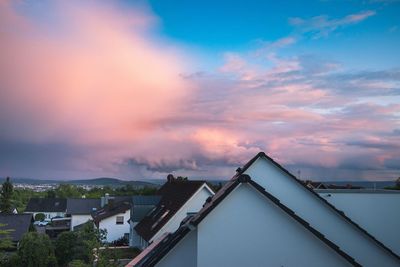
{"x": 93, "y": 90}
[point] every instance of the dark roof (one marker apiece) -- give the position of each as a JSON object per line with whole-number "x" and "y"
{"x": 174, "y": 194}
{"x": 82, "y": 205}
{"x": 341, "y": 213}
{"x": 110, "y": 210}
{"x": 19, "y": 223}
{"x": 46, "y": 205}
{"x": 142, "y": 205}
{"x": 163, "y": 247}
{"x": 146, "y": 200}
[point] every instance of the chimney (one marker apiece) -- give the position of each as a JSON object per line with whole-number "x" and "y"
{"x": 105, "y": 199}
{"x": 170, "y": 178}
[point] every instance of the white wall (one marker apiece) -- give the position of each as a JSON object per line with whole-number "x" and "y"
{"x": 247, "y": 229}
{"x": 134, "y": 238}
{"x": 49, "y": 215}
{"x": 79, "y": 219}
{"x": 194, "y": 204}
{"x": 375, "y": 212}
{"x": 184, "y": 254}
{"x": 114, "y": 230}
{"x": 319, "y": 215}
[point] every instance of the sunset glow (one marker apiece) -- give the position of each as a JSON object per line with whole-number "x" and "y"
{"x": 89, "y": 89}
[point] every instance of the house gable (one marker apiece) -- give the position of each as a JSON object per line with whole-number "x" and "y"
{"x": 171, "y": 243}
{"x": 249, "y": 227}
{"x": 177, "y": 199}
{"x": 319, "y": 213}
{"x": 193, "y": 205}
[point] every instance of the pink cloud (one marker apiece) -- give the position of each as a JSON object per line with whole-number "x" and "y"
{"x": 102, "y": 79}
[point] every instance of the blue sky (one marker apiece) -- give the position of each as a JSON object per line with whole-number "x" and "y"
{"x": 139, "y": 89}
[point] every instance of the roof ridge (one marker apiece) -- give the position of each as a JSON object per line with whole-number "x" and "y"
{"x": 171, "y": 240}
{"x": 240, "y": 171}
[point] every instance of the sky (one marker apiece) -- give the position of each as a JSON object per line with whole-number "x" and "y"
{"x": 140, "y": 89}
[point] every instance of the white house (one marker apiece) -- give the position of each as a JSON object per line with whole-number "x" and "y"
{"x": 375, "y": 210}
{"x": 141, "y": 206}
{"x": 114, "y": 217}
{"x": 264, "y": 216}
{"x": 50, "y": 207}
{"x": 179, "y": 198}
{"x": 80, "y": 210}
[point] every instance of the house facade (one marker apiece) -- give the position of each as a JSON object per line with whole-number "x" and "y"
{"x": 114, "y": 217}
{"x": 373, "y": 209}
{"x": 141, "y": 206}
{"x": 80, "y": 210}
{"x": 264, "y": 216}
{"x": 179, "y": 198}
{"x": 50, "y": 207}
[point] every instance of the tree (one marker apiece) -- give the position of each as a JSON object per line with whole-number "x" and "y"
{"x": 67, "y": 190}
{"x": 36, "y": 250}
{"x": 6, "y": 197}
{"x": 40, "y": 217}
{"x": 65, "y": 248}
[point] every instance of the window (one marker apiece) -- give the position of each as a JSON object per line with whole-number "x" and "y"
{"x": 120, "y": 220}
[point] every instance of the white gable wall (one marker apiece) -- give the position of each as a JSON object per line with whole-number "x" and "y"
{"x": 247, "y": 229}
{"x": 319, "y": 215}
{"x": 194, "y": 204}
{"x": 184, "y": 254}
{"x": 79, "y": 219}
{"x": 375, "y": 212}
{"x": 115, "y": 231}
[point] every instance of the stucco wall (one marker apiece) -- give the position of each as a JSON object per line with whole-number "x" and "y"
{"x": 319, "y": 215}
{"x": 376, "y": 212}
{"x": 247, "y": 229}
{"x": 115, "y": 231}
{"x": 79, "y": 219}
{"x": 193, "y": 205}
{"x": 184, "y": 254}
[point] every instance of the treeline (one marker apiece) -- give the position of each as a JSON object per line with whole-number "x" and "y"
{"x": 73, "y": 249}
{"x": 20, "y": 197}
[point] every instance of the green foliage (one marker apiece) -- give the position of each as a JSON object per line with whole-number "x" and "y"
{"x": 21, "y": 198}
{"x": 6, "y": 197}
{"x": 77, "y": 247}
{"x": 68, "y": 191}
{"x": 51, "y": 194}
{"x": 78, "y": 263}
{"x": 40, "y": 217}
{"x": 65, "y": 247}
{"x": 36, "y": 250}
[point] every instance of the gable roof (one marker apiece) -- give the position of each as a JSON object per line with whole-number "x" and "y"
{"x": 174, "y": 194}
{"x": 110, "y": 210}
{"x": 46, "y": 205}
{"x": 142, "y": 205}
{"x": 339, "y": 212}
{"x": 19, "y": 223}
{"x": 82, "y": 205}
{"x": 146, "y": 200}
{"x": 150, "y": 258}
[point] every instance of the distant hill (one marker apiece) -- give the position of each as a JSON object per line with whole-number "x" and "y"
{"x": 113, "y": 182}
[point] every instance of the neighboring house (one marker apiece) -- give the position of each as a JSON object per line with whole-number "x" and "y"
{"x": 141, "y": 206}
{"x": 80, "y": 210}
{"x": 18, "y": 223}
{"x": 179, "y": 198}
{"x": 264, "y": 216}
{"x": 50, "y": 207}
{"x": 114, "y": 217}
{"x": 375, "y": 210}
